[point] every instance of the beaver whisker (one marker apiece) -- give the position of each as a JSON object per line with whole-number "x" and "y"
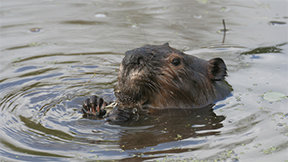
{"x": 149, "y": 83}
{"x": 152, "y": 86}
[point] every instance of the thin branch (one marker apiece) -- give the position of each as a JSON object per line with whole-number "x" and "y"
{"x": 224, "y": 31}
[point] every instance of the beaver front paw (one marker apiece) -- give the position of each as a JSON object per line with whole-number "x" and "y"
{"x": 94, "y": 107}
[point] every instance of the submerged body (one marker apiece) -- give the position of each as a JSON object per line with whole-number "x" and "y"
{"x": 161, "y": 77}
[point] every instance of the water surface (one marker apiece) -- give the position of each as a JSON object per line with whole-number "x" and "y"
{"x": 56, "y": 53}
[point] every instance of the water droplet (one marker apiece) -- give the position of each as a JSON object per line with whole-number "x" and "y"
{"x": 197, "y": 16}
{"x": 100, "y": 15}
{"x": 134, "y": 26}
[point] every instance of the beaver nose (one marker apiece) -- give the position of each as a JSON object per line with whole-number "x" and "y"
{"x": 140, "y": 60}
{"x": 134, "y": 59}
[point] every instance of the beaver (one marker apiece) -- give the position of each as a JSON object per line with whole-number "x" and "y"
{"x": 160, "y": 77}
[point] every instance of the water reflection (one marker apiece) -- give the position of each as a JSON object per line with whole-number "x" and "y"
{"x": 171, "y": 125}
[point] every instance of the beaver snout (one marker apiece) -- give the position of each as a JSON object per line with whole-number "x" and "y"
{"x": 134, "y": 59}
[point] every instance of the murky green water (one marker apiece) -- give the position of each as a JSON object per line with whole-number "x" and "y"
{"x": 56, "y": 53}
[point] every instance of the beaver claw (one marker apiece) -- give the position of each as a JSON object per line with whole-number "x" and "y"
{"x": 94, "y": 107}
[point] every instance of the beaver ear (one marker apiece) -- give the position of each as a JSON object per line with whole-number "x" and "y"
{"x": 217, "y": 69}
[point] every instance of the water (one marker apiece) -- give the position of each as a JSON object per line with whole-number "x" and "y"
{"x": 56, "y": 53}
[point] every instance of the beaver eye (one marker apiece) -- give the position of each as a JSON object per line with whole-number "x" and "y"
{"x": 176, "y": 61}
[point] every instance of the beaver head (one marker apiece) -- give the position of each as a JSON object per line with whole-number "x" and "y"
{"x": 163, "y": 77}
